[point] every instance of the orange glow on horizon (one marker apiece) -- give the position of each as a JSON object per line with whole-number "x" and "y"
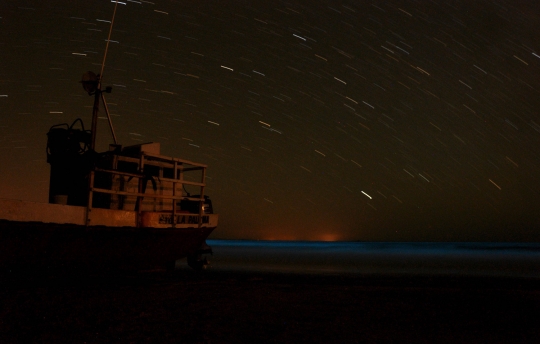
{"x": 330, "y": 237}
{"x": 314, "y": 235}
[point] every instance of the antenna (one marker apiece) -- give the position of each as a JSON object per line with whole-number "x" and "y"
{"x": 92, "y": 84}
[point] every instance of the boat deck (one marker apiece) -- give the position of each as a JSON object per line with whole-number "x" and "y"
{"x": 25, "y": 211}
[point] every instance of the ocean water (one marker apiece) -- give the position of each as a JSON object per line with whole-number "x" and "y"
{"x": 382, "y": 258}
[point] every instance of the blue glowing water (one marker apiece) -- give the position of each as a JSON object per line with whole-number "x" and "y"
{"x": 426, "y": 258}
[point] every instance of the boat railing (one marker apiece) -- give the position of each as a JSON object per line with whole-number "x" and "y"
{"x": 144, "y": 162}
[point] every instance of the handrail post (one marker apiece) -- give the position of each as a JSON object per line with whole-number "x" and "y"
{"x": 174, "y": 195}
{"x": 201, "y": 201}
{"x": 90, "y": 196}
{"x": 139, "y": 198}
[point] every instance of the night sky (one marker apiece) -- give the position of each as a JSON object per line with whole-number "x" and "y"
{"x": 319, "y": 120}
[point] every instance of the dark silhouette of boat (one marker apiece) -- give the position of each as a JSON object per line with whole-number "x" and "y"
{"x": 124, "y": 207}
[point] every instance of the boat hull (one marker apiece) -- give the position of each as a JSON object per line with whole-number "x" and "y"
{"x": 44, "y": 245}
{"x": 44, "y": 235}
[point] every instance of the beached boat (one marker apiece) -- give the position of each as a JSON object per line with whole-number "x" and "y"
{"x": 101, "y": 213}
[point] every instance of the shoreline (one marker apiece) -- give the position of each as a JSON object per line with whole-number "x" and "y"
{"x": 225, "y": 307}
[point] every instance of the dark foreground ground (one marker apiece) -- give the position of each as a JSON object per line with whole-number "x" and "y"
{"x": 231, "y": 307}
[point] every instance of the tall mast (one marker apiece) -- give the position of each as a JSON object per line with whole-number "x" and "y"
{"x": 98, "y": 93}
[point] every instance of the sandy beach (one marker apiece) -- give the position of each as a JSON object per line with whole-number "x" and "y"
{"x": 183, "y": 306}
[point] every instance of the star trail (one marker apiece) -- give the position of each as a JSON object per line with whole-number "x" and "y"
{"x": 324, "y": 120}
